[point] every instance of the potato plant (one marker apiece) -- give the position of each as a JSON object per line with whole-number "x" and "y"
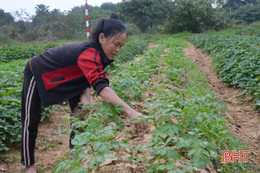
{"x": 97, "y": 135}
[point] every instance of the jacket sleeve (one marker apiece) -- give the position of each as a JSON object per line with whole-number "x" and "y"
{"x": 90, "y": 64}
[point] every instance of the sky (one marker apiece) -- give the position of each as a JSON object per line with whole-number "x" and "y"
{"x": 63, "y": 5}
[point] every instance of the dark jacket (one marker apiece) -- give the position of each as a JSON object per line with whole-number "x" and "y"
{"x": 66, "y": 71}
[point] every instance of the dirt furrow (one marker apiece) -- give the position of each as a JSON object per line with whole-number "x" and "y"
{"x": 245, "y": 120}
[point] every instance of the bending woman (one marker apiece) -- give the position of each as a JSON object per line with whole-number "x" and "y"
{"x": 66, "y": 73}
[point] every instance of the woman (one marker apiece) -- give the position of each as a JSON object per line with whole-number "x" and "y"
{"x": 66, "y": 73}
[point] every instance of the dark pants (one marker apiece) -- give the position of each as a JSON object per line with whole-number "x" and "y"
{"x": 31, "y": 116}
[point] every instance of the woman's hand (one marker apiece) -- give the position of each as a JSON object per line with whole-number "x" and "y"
{"x": 108, "y": 95}
{"x": 85, "y": 97}
{"x": 85, "y": 100}
{"x": 139, "y": 126}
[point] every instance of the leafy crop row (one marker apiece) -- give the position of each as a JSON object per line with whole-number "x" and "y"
{"x": 186, "y": 118}
{"x": 9, "y": 53}
{"x": 129, "y": 51}
{"x": 11, "y": 81}
{"x": 249, "y": 31}
{"x": 237, "y": 60}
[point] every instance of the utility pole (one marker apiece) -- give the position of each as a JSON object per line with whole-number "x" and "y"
{"x": 87, "y": 21}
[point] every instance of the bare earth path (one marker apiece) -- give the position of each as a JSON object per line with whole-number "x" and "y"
{"x": 244, "y": 119}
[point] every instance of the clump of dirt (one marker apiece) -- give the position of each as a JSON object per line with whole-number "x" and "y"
{"x": 245, "y": 120}
{"x": 151, "y": 45}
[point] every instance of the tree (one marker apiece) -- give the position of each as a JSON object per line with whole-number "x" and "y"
{"x": 195, "y": 16}
{"x": 243, "y": 10}
{"x": 22, "y": 15}
{"x": 42, "y": 15}
{"x": 96, "y": 13}
{"x": 235, "y": 4}
{"x": 5, "y": 18}
{"x": 144, "y": 13}
{"x": 109, "y": 6}
{"x": 22, "y": 26}
{"x": 248, "y": 13}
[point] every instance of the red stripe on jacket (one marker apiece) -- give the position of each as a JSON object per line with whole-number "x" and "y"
{"x": 90, "y": 64}
{"x": 57, "y": 77}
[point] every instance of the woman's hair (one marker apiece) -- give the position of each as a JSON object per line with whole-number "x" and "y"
{"x": 109, "y": 27}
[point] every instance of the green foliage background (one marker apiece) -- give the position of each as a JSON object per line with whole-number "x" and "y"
{"x": 147, "y": 16}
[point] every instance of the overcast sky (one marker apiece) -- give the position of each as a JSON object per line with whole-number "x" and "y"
{"x": 64, "y": 5}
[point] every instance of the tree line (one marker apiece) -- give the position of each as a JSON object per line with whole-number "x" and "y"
{"x": 139, "y": 16}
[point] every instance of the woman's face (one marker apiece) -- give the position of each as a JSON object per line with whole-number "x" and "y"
{"x": 112, "y": 45}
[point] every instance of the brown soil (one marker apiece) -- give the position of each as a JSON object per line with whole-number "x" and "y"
{"x": 245, "y": 120}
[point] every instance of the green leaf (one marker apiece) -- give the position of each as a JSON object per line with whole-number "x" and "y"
{"x": 170, "y": 166}
{"x": 92, "y": 163}
{"x": 161, "y": 167}
{"x": 102, "y": 147}
{"x": 191, "y": 152}
{"x": 82, "y": 155}
{"x": 200, "y": 164}
{"x": 109, "y": 156}
{"x": 181, "y": 143}
{"x": 171, "y": 153}
{"x": 135, "y": 121}
{"x": 171, "y": 129}
{"x": 161, "y": 151}
{"x": 5, "y": 102}
{"x": 99, "y": 158}
{"x": 159, "y": 133}
{"x": 211, "y": 146}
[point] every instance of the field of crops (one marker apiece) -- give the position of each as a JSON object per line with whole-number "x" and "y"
{"x": 185, "y": 119}
{"x": 187, "y": 129}
{"x": 236, "y": 58}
